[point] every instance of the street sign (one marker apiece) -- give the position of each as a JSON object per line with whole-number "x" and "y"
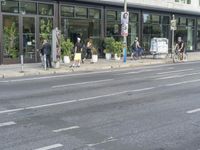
{"x": 173, "y": 24}
{"x": 124, "y": 17}
{"x": 124, "y": 30}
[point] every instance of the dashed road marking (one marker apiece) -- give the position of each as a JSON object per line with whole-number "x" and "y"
{"x": 184, "y": 82}
{"x": 81, "y": 83}
{"x": 66, "y": 129}
{"x": 176, "y": 71}
{"x": 50, "y": 147}
{"x": 193, "y": 111}
{"x": 7, "y": 124}
{"x": 77, "y": 100}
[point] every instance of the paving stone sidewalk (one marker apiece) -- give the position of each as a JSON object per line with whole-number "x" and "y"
{"x": 7, "y": 71}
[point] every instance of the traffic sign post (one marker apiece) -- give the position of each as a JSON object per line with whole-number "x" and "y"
{"x": 173, "y": 28}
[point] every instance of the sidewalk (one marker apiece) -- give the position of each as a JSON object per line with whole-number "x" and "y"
{"x": 33, "y": 69}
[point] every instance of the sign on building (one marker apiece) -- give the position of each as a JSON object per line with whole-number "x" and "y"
{"x": 124, "y": 23}
{"x": 124, "y": 30}
{"x": 173, "y": 24}
{"x": 124, "y": 17}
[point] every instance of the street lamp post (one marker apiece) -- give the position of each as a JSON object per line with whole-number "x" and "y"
{"x": 125, "y": 38}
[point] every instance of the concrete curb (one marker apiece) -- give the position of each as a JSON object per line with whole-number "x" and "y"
{"x": 105, "y": 65}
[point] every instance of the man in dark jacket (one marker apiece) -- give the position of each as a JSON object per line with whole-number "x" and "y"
{"x": 46, "y": 48}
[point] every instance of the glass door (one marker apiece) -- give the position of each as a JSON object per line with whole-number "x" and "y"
{"x": 28, "y": 39}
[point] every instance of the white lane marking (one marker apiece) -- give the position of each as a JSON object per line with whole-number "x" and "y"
{"x": 111, "y": 139}
{"x": 75, "y": 101}
{"x": 139, "y": 71}
{"x": 184, "y": 82}
{"x": 66, "y": 129}
{"x": 7, "y": 124}
{"x": 50, "y": 147}
{"x": 11, "y": 110}
{"x": 81, "y": 83}
{"x": 176, "y": 71}
{"x": 178, "y": 76}
{"x": 193, "y": 111}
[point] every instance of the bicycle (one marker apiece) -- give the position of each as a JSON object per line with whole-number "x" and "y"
{"x": 177, "y": 56}
{"x": 137, "y": 54}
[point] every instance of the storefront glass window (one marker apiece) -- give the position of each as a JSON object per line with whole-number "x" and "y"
{"x": 46, "y": 26}
{"x": 185, "y": 29}
{"x": 46, "y": 9}
{"x": 111, "y": 15}
{"x": 67, "y": 11}
{"x": 10, "y": 38}
{"x": 198, "y": 34}
{"x": 85, "y": 24}
{"x": 10, "y": 6}
{"x": 154, "y": 26}
{"x": 28, "y": 8}
{"x": 81, "y": 12}
{"x": 94, "y": 13}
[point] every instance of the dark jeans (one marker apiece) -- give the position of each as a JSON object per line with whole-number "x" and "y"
{"x": 48, "y": 61}
{"x": 89, "y": 53}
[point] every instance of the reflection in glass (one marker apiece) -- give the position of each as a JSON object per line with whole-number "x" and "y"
{"x": 10, "y": 6}
{"x": 67, "y": 11}
{"x": 46, "y": 9}
{"x": 81, "y": 12}
{"x": 29, "y": 38}
{"x": 28, "y": 8}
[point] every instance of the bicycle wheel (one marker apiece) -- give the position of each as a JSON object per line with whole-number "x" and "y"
{"x": 175, "y": 58}
{"x": 185, "y": 57}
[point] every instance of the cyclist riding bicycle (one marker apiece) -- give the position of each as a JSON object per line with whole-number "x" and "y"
{"x": 136, "y": 49}
{"x": 180, "y": 46}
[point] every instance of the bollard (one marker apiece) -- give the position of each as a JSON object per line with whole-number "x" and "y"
{"x": 45, "y": 62}
{"x": 22, "y": 63}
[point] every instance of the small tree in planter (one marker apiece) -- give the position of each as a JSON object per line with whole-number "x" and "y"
{"x": 94, "y": 55}
{"x": 10, "y": 40}
{"x": 109, "y": 47}
{"x": 118, "y": 48}
{"x": 66, "y": 46}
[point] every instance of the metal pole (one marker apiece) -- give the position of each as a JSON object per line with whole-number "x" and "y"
{"x": 125, "y": 38}
{"x": 45, "y": 62}
{"x": 22, "y": 63}
{"x": 173, "y": 17}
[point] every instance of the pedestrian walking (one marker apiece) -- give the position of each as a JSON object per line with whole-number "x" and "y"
{"x": 89, "y": 49}
{"x": 77, "y": 53}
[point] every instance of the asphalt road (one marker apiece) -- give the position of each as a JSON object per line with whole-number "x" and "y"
{"x": 147, "y": 108}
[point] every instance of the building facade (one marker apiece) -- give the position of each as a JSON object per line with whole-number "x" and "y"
{"x": 24, "y": 23}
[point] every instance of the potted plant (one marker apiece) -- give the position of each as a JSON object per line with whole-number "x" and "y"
{"x": 108, "y": 47}
{"x": 66, "y": 46}
{"x": 118, "y": 49}
{"x": 94, "y": 55}
{"x": 10, "y": 41}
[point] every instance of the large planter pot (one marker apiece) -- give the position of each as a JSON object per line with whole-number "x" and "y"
{"x": 57, "y": 64}
{"x": 117, "y": 58}
{"x": 94, "y": 58}
{"x": 108, "y": 56}
{"x": 66, "y": 59}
